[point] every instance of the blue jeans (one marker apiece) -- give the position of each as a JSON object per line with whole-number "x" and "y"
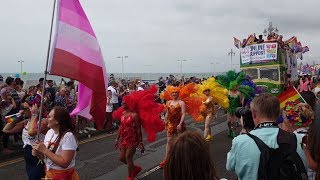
{"x": 35, "y": 170}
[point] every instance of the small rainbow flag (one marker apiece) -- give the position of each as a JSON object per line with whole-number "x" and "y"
{"x": 12, "y": 118}
{"x": 289, "y": 95}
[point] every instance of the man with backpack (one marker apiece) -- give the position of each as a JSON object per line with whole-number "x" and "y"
{"x": 266, "y": 152}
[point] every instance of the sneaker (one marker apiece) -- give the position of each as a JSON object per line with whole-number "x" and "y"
{"x": 90, "y": 129}
{"x": 209, "y": 138}
{"x": 85, "y": 131}
{"x": 136, "y": 171}
{"x": 80, "y": 132}
{"x": 163, "y": 163}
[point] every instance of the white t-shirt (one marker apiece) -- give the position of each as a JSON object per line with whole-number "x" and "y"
{"x": 27, "y": 139}
{"x": 140, "y": 89}
{"x": 114, "y": 97}
{"x": 68, "y": 142}
{"x": 109, "y": 106}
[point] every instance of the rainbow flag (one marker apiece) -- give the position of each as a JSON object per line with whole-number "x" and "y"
{"x": 12, "y": 118}
{"x": 290, "y": 95}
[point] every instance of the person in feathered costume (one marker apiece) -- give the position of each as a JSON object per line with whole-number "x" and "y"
{"x": 211, "y": 92}
{"x": 179, "y": 101}
{"x": 251, "y": 95}
{"x": 138, "y": 109}
{"x": 237, "y": 92}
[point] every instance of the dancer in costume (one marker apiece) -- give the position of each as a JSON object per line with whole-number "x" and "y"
{"x": 212, "y": 93}
{"x": 138, "y": 110}
{"x": 179, "y": 101}
{"x": 232, "y": 81}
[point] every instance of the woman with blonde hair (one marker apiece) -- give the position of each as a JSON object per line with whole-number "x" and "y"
{"x": 211, "y": 93}
{"x": 179, "y": 101}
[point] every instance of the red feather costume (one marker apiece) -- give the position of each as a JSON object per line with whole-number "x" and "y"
{"x": 143, "y": 103}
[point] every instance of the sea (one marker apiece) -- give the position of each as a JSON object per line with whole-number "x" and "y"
{"x": 33, "y": 78}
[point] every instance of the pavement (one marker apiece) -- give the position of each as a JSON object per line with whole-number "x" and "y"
{"x": 97, "y": 159}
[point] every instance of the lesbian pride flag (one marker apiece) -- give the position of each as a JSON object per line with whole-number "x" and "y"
{"x": 76, "y": 54}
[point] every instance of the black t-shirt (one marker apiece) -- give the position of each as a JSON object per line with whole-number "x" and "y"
{"x": 52, "y": 91}
{"x": 161, "y": 85}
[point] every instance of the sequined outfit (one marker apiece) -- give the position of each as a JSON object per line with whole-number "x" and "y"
{"x": 173, "y": 119}
{"x": 209, "y": 107}
{"x": 128, "y": 132}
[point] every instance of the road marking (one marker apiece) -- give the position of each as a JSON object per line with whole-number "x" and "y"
{"x": 11, "y": 162}
{"x": 149, "y": 172}
{"x": 95, "y": 138}
{"x": 17, "y": 160}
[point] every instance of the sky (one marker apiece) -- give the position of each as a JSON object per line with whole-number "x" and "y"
{"x": 155, "y": 34}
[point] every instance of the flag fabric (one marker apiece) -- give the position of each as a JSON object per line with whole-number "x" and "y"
{"x": 237, "y": 42}
{"x": 289, "y": 95}
{"x": 12, "y": 118}
{"x": 305, "y": 49}
{"x": 76, "y": 54}
{"x": 292, "y": 39}
{"x": 250, "y": 40}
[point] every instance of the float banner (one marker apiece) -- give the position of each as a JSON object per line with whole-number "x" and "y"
{"x": 257, "y": 53}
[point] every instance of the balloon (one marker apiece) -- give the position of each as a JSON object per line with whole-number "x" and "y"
{"x": 24, "y": 73}
{"x": 17, "y": 75}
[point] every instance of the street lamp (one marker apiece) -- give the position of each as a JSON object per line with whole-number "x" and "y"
{"x": 181, "y": 66}
{"x": 122, "y": 57}
{"x": 148, "y": 70}
{"x": 21, "y": 67}
{"x": 231, "y": 53}
{"x": 213, "y": 64}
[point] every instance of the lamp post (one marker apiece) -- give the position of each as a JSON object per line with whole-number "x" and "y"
{"x": 231, "y": 53}
{"x": 148, "y": 70}
{"x": 122, "y": 57}
{"x": 213, "y": 64}
{"x": 181, "y": 66}
{"x": 21, "y": 67}
{"x": 270, "y": 30}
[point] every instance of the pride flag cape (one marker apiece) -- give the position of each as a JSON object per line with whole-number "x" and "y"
{"x": 290, "y": 95}
{"x": 76, "y": 54}
{"x": 12, "y": 118}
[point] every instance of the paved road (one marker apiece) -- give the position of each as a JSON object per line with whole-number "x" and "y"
{"x": 98, "y": 160}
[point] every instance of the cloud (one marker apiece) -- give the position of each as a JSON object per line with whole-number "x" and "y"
{"x": 157, "y": 32}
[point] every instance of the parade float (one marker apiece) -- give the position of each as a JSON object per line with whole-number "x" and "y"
{"x": 269, "y": 61}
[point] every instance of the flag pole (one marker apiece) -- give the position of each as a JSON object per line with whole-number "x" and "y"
{"x": 46, "y": 72}
{"x": 299, "y": 94}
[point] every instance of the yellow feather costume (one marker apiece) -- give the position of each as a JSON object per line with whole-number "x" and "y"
{"x": 217, "y": 92}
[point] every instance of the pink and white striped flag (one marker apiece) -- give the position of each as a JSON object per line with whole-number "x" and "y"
{"x": 76, "y": 54}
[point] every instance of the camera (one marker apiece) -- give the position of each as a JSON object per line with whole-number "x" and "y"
{"x": 247, "y": 119}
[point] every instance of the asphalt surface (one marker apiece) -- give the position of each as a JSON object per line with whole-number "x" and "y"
{"x": 97, "y": 159}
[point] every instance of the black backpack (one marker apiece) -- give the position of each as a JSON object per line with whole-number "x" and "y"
{"x": 283, "y": 163}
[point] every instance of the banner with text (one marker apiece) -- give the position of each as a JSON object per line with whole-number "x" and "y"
{"x": 259, "y": 53}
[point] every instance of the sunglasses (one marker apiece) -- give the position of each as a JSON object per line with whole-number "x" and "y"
{"x": 304, "y": 142}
